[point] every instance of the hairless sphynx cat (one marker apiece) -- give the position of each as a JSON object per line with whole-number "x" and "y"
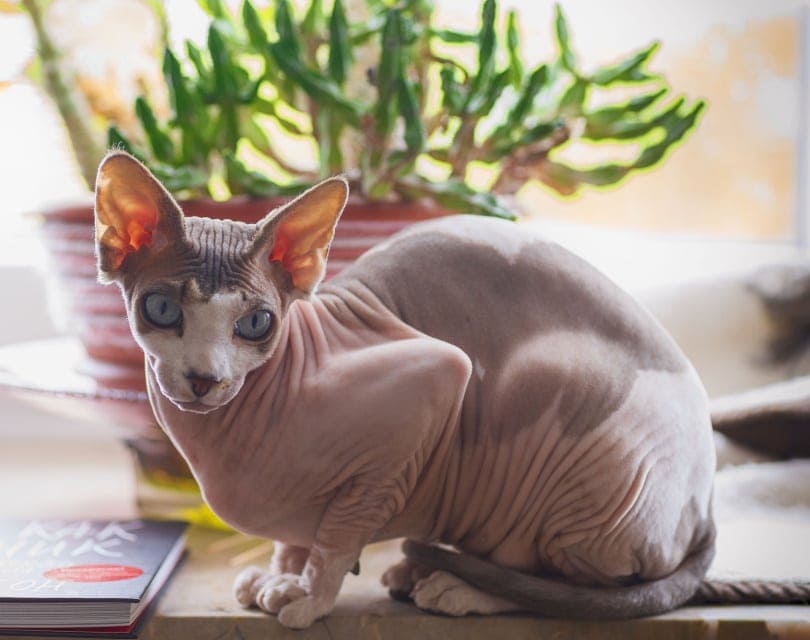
{"x": 465, "y": 383}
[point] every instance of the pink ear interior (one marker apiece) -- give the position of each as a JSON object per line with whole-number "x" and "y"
{"x": 302, "y": 231}
{"x": 133, "y": 212}
{"x": 140, "y": 228}
{"x": 131, "y": 230}
{"x": 281, "y": 249}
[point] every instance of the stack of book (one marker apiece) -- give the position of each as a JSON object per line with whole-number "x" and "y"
{"x": 83, "y": 577}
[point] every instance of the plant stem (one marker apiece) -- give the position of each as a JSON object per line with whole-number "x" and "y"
{"x": 85, "y": 145}
{"x": 461, "y": 153}
{"x": 517, "y": 167}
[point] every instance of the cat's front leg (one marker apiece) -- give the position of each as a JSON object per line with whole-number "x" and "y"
{"x": 249, "y": 585}
{"x": 350, "y": 521}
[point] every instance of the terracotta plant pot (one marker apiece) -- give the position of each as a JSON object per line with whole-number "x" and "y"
{"x": 96, "y": 313}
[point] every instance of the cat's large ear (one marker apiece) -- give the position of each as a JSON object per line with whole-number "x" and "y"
{"x": 298, "y": 235}
{"x": 134, "y": 214}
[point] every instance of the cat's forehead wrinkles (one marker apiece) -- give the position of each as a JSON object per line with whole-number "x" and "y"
{"x": 219, "y": 248}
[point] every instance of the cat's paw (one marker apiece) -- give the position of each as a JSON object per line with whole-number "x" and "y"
{"x": 301, "y": 613}
{"x": 403, "y": 576}
{"x": 247, "y": 584}
{"x": 278, "y": 591}
{"x": 442, "y": 592}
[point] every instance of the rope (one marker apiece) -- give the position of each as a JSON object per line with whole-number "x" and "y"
{"x": 752, "y": 592}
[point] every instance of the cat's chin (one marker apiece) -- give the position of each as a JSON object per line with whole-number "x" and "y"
{"x": 194, "y": 407}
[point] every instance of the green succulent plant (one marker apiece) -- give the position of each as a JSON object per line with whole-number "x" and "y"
{"x": 409, "y": 123}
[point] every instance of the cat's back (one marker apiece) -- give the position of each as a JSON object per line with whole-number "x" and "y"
{"x": 486, "y": 285}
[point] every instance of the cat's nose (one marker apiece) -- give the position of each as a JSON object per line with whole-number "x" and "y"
{"x": 201, "y": 384}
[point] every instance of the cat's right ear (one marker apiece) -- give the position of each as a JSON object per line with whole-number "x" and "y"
{"x": 134, "y": 214}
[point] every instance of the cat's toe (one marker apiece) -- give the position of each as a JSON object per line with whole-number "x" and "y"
{"x": 300, "y": 614}
{"x": 279, "y": 591}
{"x": 247, "y": 584}
{"x": 401, "y": 578}
{"x": 442, "y": 592}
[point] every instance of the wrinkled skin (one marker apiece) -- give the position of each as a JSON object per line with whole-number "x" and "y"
{"x": 464, "y": 383}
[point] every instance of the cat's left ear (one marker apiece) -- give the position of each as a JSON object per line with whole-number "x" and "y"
{"x": 298, "y": 235}
{"x": 135, "y": 214}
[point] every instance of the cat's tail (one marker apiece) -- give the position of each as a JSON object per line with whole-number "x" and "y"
{"x": 559, "y": 599}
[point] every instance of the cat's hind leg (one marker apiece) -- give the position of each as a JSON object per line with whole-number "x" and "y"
{"x": 442, "y": 592}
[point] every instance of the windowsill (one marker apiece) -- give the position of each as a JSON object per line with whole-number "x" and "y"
{"x": 639, "y": 261}
{"x": 198, "y": 602}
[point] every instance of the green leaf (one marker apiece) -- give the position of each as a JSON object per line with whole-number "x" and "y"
{"x": 179, "y": 96}
{"x": 226, "y": 83}
{"x": 214, "y": 8}
{"x": 601, "y": 176}
{"x": 256, "y": 135}
{"x": 269, "y": 108}
{"x": 540, "y": 132}
{"x": 566, "y": 179}
{"x": 483, "y": 104}
{"x": 179, "y": 179}
{"x": 455, "y": 195}
{"x": 316, "y": 85}
{"x": 254, "y": 27}
{"x": 513, "y": 48}
{"x": 189, "y": 115}
{"x": 530, "y": 136}
{"x": 254, "y": 183}
{"x": 632, "y": 127}
{"x": 573, "y": 100}
{"x": 287, "y": 35}
{"x": 409, "y": 108}
{"x": 567, "y": 58}
{"x": 340, "y": 55}
{"x": 519, "y": 112}
{"x": 388, "y": 73}
{"x": 195, "y": 55}
{"x": 159, "y": 142}
{"x": 452, "y": 94}
{"x": 676, "y": 129}
{"x": 360, "y": 34}
{"x": 330, "y": 156}
{"x": 454, "y": 37}
{"x": 610, "y": 114}
{"x": 628, "y": 70}
{"x": 314, "y": 20}
{"x": 486, "y": 56}
{"x": 225, "y": 80}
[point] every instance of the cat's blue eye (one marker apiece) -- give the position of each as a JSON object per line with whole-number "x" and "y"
{"x": 255, "y": 325}
{"x": 161, "y": 311}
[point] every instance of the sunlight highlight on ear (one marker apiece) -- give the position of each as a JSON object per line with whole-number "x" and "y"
{"x": 133, "y": 211}
{"x": 301, "y": 232}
